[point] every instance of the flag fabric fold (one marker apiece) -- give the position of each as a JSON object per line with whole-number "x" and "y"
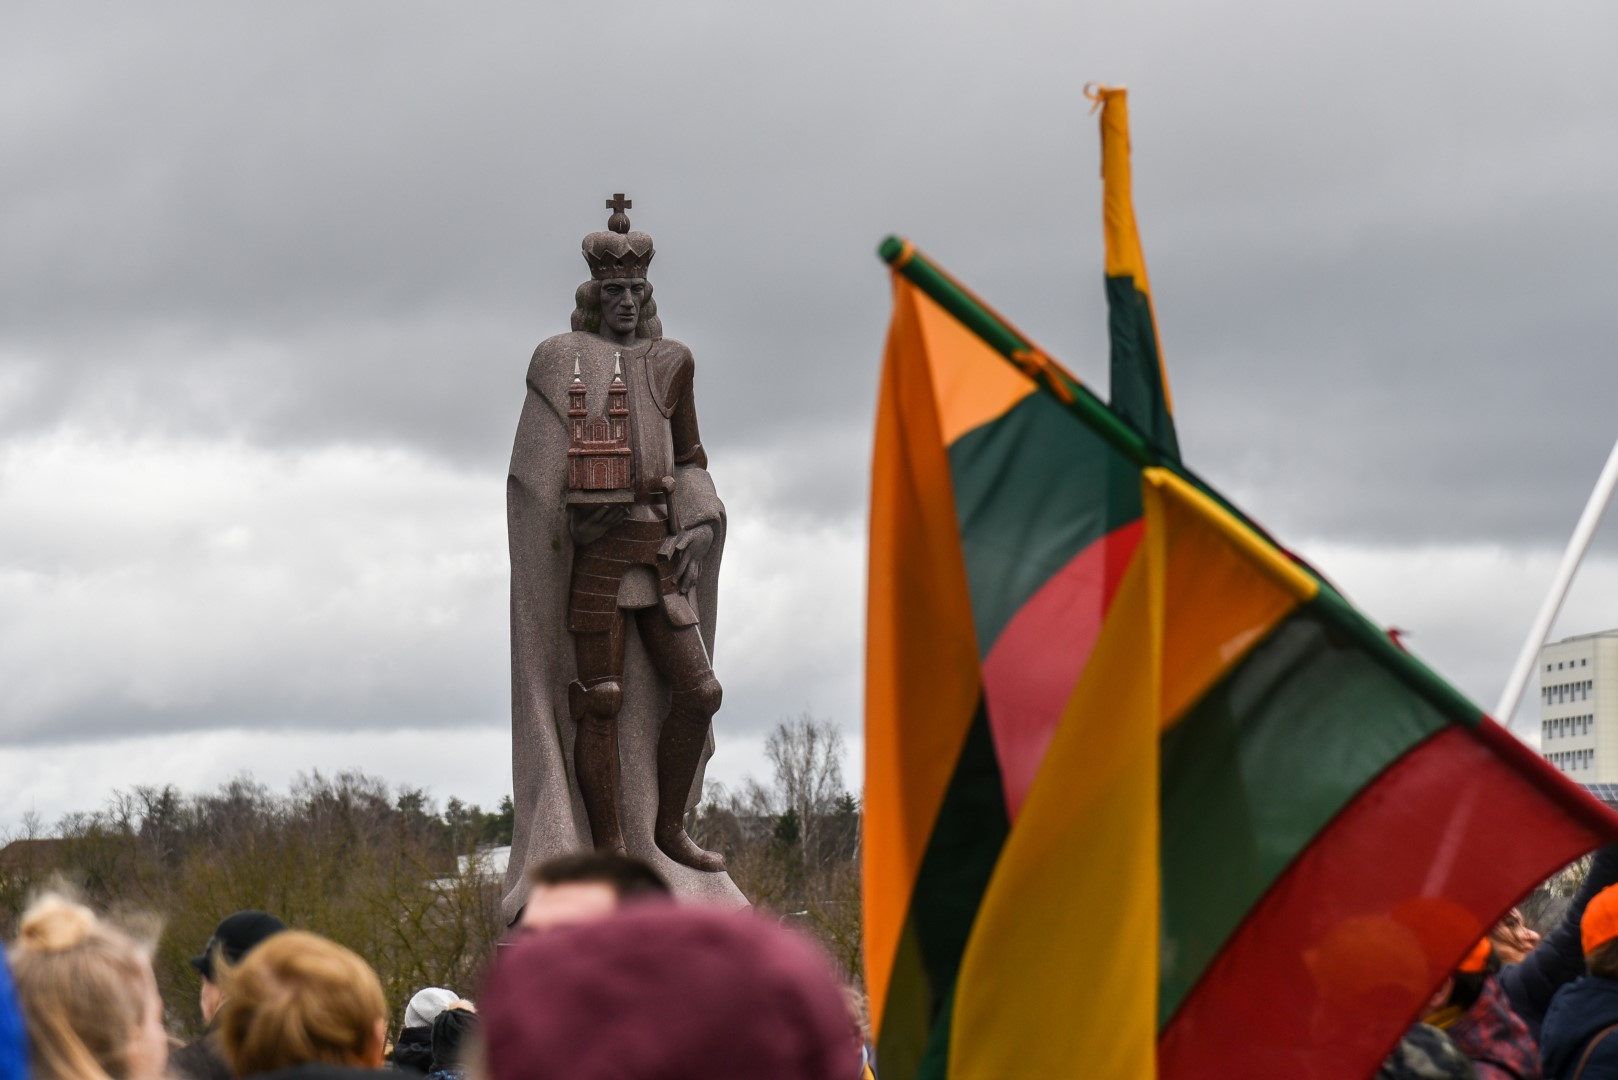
{"x": 1144, "y": 796}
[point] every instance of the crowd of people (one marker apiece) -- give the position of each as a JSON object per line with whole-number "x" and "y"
{"x": 1524, "y": 1007}
{"x": 603, "y": 975}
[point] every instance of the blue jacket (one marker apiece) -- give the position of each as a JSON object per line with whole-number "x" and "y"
{"x": 1579, "y": 1011}
{"x": 13, "y": 1037}
{"x": 1559, "y": 959}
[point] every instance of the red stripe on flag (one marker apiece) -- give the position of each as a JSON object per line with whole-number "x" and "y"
{"x": 1036, "y": 661}
{"x": 1338, "y": 958}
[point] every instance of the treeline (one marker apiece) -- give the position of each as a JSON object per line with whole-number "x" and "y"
{"x": 403, "y": 882}
{"x": 376, "y": 869}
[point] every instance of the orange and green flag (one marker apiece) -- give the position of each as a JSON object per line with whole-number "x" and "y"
{"x": 1144, "y": 795}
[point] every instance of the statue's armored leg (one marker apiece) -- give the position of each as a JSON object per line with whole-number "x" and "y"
{"x": 678, "y": 654}
{"x": 594, "y": 702}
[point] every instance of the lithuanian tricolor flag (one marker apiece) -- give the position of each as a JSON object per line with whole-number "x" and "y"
{"x": 1144, "y": 796}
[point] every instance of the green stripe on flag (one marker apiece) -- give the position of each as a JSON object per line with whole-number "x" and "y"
{"x": 1258, "y": 767}
{"x": 1138, "y": 393}
{"x": 961, "y": 853}
{"x": 1032, "y": 490}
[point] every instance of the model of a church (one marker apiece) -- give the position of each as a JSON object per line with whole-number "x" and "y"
{"x": 598, "y": 454}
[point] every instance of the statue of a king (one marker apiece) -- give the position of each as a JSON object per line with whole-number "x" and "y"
{"x": 616, "y": 534}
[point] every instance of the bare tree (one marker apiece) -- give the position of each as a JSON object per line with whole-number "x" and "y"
{"x": 806, "y": 755}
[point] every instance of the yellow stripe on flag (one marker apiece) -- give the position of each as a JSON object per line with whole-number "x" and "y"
{"x": 1060, "y": 975}
{"x": 922, "y": 679}
{"x": 1124, "y": 256}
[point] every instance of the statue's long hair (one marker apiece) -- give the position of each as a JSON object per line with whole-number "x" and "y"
{"x": 587, "y": 311}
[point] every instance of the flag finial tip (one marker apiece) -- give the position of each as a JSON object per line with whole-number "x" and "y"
{"x": 1099, "y": 92}
{"x": 896, "y": 251}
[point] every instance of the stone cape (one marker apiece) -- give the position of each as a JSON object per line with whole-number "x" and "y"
{"x": 549, "y": 815}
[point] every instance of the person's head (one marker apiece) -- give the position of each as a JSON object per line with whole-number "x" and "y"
{"x": 680, "y": 993}
{"x": 453, "y": 1032}
{"x": 1598, "y": 932}
{"x": 425, "y": 1005}
{"x": 859, "y": 1020}
{"x": 299, "y": 998}
{"x": 1513, "y": 938}
{"x": 1462, "y": 988}
{"x": 87, "y": 996}
{"x": 585, "y": 886}
{"x": 231, "y": 940}
{"x": 609, "y": 305}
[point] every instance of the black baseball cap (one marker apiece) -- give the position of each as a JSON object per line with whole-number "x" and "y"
{"x": 234, "y": 936}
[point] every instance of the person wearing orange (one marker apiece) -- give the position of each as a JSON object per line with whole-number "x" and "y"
{"x": 1557, "y": 959}
{"x": 1578, "y": 1037}
{"x": 1473, "y": 1010}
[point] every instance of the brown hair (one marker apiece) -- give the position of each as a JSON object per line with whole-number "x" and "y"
{"x": 295, "y": 999}
{"x": 82, "y": 986}
{"x": 1603, "y": 960}
{"x": 629, "y": 878}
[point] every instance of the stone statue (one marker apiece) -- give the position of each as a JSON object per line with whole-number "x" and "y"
{"x": 616, "y": 535}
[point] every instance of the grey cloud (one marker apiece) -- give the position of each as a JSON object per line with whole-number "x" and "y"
{"x": 1367, "y": 236}
{"x": 1381, "y": 240}
{"x": 184, "y": 587}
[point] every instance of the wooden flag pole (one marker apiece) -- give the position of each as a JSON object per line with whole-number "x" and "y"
{"x": 1583, "y": 532}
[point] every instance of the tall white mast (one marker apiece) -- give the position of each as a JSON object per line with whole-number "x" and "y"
{"x": 1576, "y": 547}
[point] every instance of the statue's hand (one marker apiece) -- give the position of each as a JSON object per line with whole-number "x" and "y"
{"x": 588, "y": 526}
{"x": 690, "y": 548}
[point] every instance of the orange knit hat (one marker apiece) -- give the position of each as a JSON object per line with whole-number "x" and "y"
{"x": 1477, "y": 959}
{"x": 1600, "y": 923}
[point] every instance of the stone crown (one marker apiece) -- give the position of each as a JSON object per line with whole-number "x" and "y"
{"x": 618, "y": 255}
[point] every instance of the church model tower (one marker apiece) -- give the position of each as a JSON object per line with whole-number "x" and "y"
{"x": 598, "y": 454}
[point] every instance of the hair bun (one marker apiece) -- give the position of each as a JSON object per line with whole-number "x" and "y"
{"x": 54, "y": 923}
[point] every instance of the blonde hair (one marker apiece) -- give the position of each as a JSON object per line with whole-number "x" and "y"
{"x": 859, "y": 1011}
{"x": 83, "y": 987}
{"x": 298, "y": 998}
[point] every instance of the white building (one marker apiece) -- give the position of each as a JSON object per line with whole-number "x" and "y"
{"x": 490, "y": 862}
{"x": 1578, "y": 706}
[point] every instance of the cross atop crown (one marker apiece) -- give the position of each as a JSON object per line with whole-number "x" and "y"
{"x": 617, "y": 252}
{"x": 619, "y": 222}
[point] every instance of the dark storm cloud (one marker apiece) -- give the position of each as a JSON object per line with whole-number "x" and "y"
{"x": 1382, "y": 241}
{"x": 1382, "y": 238}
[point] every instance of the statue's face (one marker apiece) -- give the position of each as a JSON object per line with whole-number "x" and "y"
{"x": 621, "y": 299}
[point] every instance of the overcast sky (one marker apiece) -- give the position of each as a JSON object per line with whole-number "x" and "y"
{"x": 270, "y": 276}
